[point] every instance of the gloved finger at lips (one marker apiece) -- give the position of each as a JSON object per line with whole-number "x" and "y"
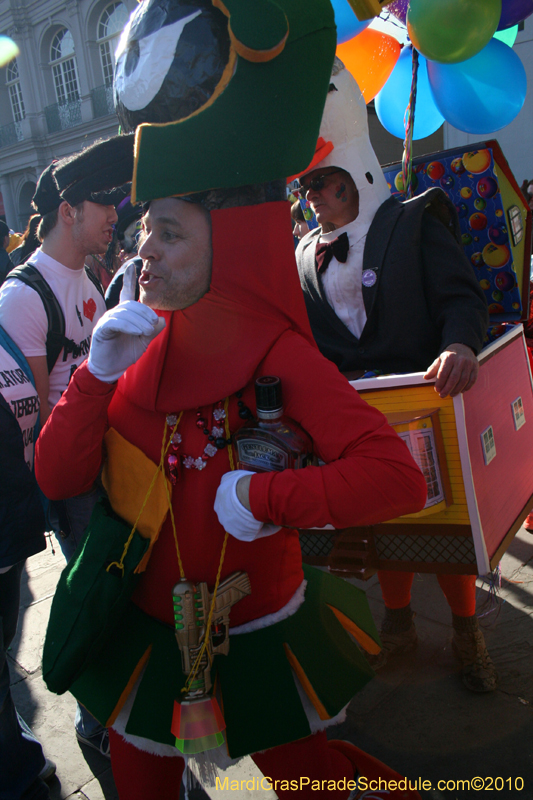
{"x": 128, "y": 284}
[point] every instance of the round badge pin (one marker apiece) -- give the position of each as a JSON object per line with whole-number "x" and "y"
{"x": 369, "y": 277}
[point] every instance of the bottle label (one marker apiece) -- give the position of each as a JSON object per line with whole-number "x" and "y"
{"x": 261, "y": 456}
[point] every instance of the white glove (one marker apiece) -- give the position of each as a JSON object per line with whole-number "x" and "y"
{"x": 122, "y": 335}
{"x": 233, "y": 516}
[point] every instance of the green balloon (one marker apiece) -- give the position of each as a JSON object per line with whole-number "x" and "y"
{"x": 450, "y": 31}
{"x": 508, "y": 35}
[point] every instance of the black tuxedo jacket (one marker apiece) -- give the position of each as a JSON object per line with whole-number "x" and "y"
{"x": 426, "y": 295}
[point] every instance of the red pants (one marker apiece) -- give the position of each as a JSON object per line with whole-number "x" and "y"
{"x": 459, "y": 590}
{"x": 141, "y": 776}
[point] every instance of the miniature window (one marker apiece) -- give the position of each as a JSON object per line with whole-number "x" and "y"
{"x": 515, "y": 223}
{"x": 518, "y": 413}
{"x": 421, "y": 432}
{"x": 488, "y": 444}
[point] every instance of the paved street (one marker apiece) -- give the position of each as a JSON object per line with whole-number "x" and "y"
{"x": 417, "y": 716}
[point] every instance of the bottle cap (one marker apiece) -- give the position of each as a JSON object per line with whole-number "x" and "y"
{"x": 268, "y": 394}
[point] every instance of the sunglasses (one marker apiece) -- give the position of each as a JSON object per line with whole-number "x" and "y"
{"x": 316, "y": 184}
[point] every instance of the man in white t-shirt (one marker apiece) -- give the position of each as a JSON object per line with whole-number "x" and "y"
{"x": 68, "y": 234}
{"x": 76, "y": 200}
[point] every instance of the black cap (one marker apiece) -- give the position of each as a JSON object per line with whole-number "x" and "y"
{"x": 96, "y": 172}
{"x": 268, "y": 393}
{"x": 46, "y": 197}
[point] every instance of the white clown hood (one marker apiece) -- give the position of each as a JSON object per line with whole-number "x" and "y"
{"x": 345, "y": 127}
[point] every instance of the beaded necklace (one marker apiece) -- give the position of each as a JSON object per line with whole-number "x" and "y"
{"x": 217, "y": 438}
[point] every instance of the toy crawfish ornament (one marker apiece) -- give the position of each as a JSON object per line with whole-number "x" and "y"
{"x": 201, "y": 621}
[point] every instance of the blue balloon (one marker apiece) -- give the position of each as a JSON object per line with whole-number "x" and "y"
{"x": 347, "y": 23}
{"x": 391, "y": 102}
{"x": 483, "y": 93}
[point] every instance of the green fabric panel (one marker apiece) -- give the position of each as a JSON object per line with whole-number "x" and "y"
{"x": 151, "y": 715}
{"x": 101, "y": 685}
{"x": 89, "y": 601}
{"x": 246, "y": 135}
{"x": 260, "y": 699}
{"x": 260, "y": 25}
{"x": 306, "y": 18}
{"x": 332, "y": 662}
{"x": 261, "y": 705}
{"x": 342, "y": 595}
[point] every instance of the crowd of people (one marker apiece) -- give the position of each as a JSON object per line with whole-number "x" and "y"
{"x": 103, "y": 398}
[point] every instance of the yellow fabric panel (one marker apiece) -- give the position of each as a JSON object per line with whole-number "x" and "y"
{"x": 366, "y": 641}
{"x": 418, "y": 398}
{"x": 128, "y": 688}
{"x": 306, "y": 684}
{"x": 126, "y": 476}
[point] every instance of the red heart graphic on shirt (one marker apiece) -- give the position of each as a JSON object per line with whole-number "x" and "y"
{"x": 89, "y": 309}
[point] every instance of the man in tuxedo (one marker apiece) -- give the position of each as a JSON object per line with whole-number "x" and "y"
{"x": 388, "y": 289}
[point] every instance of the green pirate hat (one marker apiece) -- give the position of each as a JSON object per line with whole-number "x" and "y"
{"x": 222, "y": 93}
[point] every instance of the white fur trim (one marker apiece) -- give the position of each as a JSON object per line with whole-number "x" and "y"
{"x": 315, "y": 723}
{"x": 270, "y": 619}
{"x": 146, "y": 745}
{"x": 220, "y": 755}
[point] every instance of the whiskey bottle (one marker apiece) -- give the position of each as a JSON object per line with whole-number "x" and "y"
{"x": 272, "y": 441}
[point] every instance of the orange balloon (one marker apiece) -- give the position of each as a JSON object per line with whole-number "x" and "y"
{"x": 370, "y": 57}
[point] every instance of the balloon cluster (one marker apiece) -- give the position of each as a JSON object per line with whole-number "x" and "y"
{"x": 468, "y": 73}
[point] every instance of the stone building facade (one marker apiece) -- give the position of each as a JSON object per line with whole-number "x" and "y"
{"x": 56, "y": 97}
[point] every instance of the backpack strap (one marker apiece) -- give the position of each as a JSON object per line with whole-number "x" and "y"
{"x": 55, "y": 339}
{"x": 92, "y": 277}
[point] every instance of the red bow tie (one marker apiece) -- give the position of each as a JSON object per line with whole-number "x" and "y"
{"x": 326, "y": 250}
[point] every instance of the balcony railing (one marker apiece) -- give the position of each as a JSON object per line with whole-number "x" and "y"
{"x": 61, "y": 116}
{"x": 11, "y": 134}
{"x": 102, "y": 100}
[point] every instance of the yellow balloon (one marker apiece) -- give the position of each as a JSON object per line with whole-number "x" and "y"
{"x": 8, "y": 50}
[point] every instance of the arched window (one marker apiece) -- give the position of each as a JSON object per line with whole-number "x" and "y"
{"x": 64, "y": 70}
{"x": 15, "y": 92}
{"x": 110, "y": 25}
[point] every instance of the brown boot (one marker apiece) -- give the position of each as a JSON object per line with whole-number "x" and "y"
{"x": 398, "y": 635}
{"x": 477, "y": 670}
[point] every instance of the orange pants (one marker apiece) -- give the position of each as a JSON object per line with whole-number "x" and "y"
{"x": 459, "y": 590}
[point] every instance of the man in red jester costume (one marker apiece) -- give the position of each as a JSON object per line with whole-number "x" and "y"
{"x": 169, "y": 381}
